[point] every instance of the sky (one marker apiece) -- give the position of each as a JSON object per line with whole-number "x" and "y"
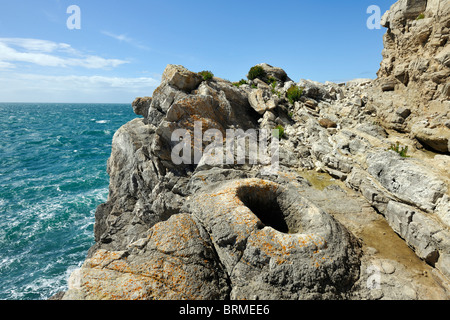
{"x": 119, "y": 49}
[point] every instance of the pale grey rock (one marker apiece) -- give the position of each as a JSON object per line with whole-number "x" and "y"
{"x": 444, "y": 56}
{"x": 141, "y": 106}
{"x": 275, "y": 72}
{"x": 181, "y": 78}
{"x": 175, "y": 261}
{"x": 261, "y": 101}
{"x": 417, "y": 229}
{"x": 314, "y": 89}
{"x": 404, "y": 9}
{"x": 434, "y": 138}
{"x": 406, "y": 179}
{"x": 275, "y": 244}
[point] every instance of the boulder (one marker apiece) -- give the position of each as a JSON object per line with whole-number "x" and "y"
{"x": 141, "y": 106}
{"x": 274, "y": 243}
{"x": 181, "y": 78}
{"x": 407, "y": 179}
{"x": 327, "y": 123}
{"x": 403, "y": 112}
{"x": 273, "y": 72}
{"x": 434, "y": 138}
{"x": 176, "y": 261}
{"x": 314, "y": 89}
{"x": 388, "y": 85}
{"x": 402, "y": 10}
{"x": 261, "y": 101}
{"x": 444, "y": 56}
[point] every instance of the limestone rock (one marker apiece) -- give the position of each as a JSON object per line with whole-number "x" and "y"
{"x": 444, "y": 56}
{"x": 275, "y": 244}
{"x": 314, "y": 89}
{"x": 262, "y": 101}
{"x": 327, "y": 123}
{"x": 141, "y": 106}
{"x": 176, "y": 261}
{"x": 181, "y": 78}
{"x": 435, "y": 138}
{"x": 274, "y": 72}
{"x": 388, "y": 85}
{"x": 406, "y": 179}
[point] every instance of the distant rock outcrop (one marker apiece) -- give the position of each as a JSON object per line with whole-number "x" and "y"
{"x": 352, "y": 176}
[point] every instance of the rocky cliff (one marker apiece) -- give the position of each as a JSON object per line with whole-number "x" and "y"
{"x": 356, "y": 208}
{"x": 416, "y": 66}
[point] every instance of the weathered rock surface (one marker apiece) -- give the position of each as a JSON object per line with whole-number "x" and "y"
{"x": 275, "y": 244}
{"x": 416, "y": 65}
{"x": 176, "y": 261}
{"x": 341, "y": 218}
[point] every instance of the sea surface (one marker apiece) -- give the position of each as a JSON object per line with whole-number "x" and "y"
{"x": 52, "y": 177}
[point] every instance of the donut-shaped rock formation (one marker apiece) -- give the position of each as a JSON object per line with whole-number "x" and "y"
{"x": 276, "y": 244}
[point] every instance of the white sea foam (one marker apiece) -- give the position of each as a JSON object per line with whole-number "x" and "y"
{"x": 48, "y": 216}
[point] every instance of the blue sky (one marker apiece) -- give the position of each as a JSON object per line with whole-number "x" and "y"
{"x": 123, "y": 47}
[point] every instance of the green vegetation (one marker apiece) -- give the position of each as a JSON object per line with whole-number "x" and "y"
{"x": 294, "y": 93}
{"x": 273, "y": 84}
{"x": 272, "y": 81}
{"x": 207, "y": 75}
{"x": 274, "y": 90}
{"x": 280, "y": 133}
{"x": 420, "y": 17}
{"x": 256, "y": 72}
{"x": 240, "y": 83}
{"x": 403, "y": 152}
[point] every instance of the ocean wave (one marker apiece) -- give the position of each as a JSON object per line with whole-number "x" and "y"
{"x": 49, "y": 193}
{"x": 57, "y": 230}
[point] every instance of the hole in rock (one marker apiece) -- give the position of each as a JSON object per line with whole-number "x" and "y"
{"x": 263, "y": 203}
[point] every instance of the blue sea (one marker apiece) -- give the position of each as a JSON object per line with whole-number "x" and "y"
{"x": 52, "y": 178}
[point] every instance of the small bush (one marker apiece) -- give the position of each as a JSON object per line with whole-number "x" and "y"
{"x": 240, "y": 83}
{"x": 272, "y": 81}
{"x": 274, "y": 84}
{"x": 294, "y": 93}
{"x": 403, "y": 152}
{"x": 207, "y": 75}
{"x": 420, "y": 17}
{"x": 280, "y": 133}
{"x": 256, "y": 72}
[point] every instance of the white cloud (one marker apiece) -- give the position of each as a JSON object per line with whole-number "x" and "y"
{"x": 89, "y": 81}
{"x": 71, "y": 88}
{"x": 36, "y": 45}
{"x": 51, "y": 80}
{"x": 125, "y": 38}
{"x": 6, "y": 65}
{"x": 120, "y": 37}
{"x": 50, "y": 54}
